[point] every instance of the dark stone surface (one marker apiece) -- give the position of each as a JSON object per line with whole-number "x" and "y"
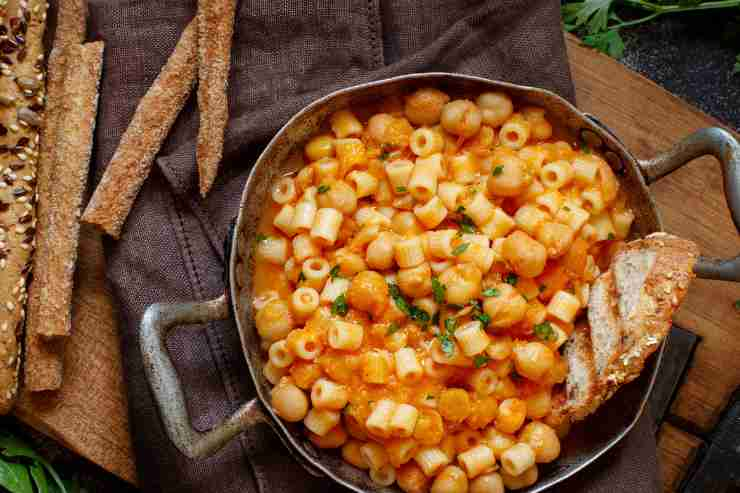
{"x": 691, "y": 55}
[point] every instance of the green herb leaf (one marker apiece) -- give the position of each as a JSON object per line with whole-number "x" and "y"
{"x": 334, "y": 272}
{"x": 439, "y": 290}
{"x": 736, "y": 68}
{"x": 498, "y": 170}
{"x": 460, "y": 249}
{"x": 737, "y": 305}
{"x": 446, "y": 344}
{"x": 542, "y": 288}
{"x": 545, "y": 331}
{"x": 460, "y": 209}
{"x": 450, "y": 325}
{"x": 339, "y": 306}
{"x": 511, "y": 278}
{"x": 261, "y": 237}
{"x": 609, "y": 42}
{"x": 491, "y": 292}
{"x": 584, "y": 148}
{"x": 39, "y": 478}
{"x": 591, "y": 14}
{"x": 301, "y": 277}
{"x": 324, "y": 188}
{"x": 14, "y": 477}
{"x": 11, "y": 446}
{"x": 413, "y": 312}
{"x": 484, "y": 318}
{"x": 480, "y": 360}
{"x": 429, "y": 397}
{"x": 393, "y": 328}
{"x": 402, "y": 189}
{"x": 610, "y": 236}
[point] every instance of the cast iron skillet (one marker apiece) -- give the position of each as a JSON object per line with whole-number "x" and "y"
{"x": 588, "y": 440}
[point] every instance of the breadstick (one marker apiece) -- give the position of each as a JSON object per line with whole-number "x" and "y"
{"x": 215, "y": 35}
{"x": 43, "y": 362}
{"x": 72, "y": 155}
{"x": 21, "y": 100}
{"x": 157, "y": 111}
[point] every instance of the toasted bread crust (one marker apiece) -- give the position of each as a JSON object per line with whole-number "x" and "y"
{"x": 215, "y": 35}
{"x": 665, "y": 288}
{"x": 602, "y": 306}
{"x": 18, "y": 215}
{"x": 580, "y": 398}
{"x": 132, "y": 161}
{"x": 71, "y": 23}
{"x": 72, "y": 155}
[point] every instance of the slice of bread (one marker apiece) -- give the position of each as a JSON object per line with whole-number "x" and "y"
{"x": 581, "y": 385}
{"x": 606, "y": 331}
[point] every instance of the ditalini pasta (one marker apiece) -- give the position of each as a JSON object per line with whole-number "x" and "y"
{"x": 415, "y": 280}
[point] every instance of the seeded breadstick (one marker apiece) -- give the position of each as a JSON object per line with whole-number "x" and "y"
{"x": 21, "y": 101}
{"x": 43, "y": 361}
{"x": 72, "y": 158}
{"x": 215, "y": 35}
{"x": 157, "y": 111}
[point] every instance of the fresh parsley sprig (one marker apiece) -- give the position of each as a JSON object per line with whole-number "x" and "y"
{"x": 23, "y": 470}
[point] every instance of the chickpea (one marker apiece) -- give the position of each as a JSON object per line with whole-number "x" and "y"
{"x": 415, "y": 282}
{"x": 540, "y": 129}
{"x": 452, "y": 479}
{"x": 543, "y": 440}
{"x": 424, "y": 106}
{"x": 525, "y": 479}
{"x": 379, "y": 254}
{"x": 340, "y": 195}
{"x": 429, "y": 427}
{"x": 461, "y": 117}
{"x": 368, "y": 292}
{"x": 289, "y": 402}
{"x": 505, "y": 309}
{"x": 511, "y": 415}
{"x": 335, "y": 438}
{"x": 533, "y": 359}
{"x": 454, "y": 404}
{"x": 539, "y": 404}
{"x": 510, "y": 176}
{"x": 377, "y": 126}
{"x": 495, "y": 108}
{"x": 411, "y": 479}
{"x": 274, "y": 321}
{"x": 526, "y": 255}
{"x": 555, "y": 237}
{"x": 463, "y": 283}
{"x": 320, "y": 146}
{"x": 405, "y": 223}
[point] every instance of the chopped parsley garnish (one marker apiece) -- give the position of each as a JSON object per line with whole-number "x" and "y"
{"x": 439, "y": 290}
{"x": 430, "y": 397}
{"x": 610, "y": 236}
{"x": 335, "y": 272}
{"x": 301, "y": 277}
{"x": 339, "y": 306}
{"x": 402, "y": 189}
{"x": 323, "y": 188}
{"x": 545, "y": 331}
{"x": 480, "y": 360}
{"x": 737, "y": 305}
{"x": 460, "y": 209}
{"x": 484, "y": 318}
{"x": 467, "y": 225}
{"x": 261, "y": 237}
{"x": 566, "y": 208}
{"x": 491, "y": 292}
{"x": 585, "y": 148}
{"x": 393, "y": 328}
{"x": 385, "y": 152}
{"x": 511, "y": 278}
{"x": 450, "y": 325}
{"x": 413, "y": 312}
{"x": 460, "y": 249}
{"x": 498, "y": 170}
{"x": 448, "y": 347}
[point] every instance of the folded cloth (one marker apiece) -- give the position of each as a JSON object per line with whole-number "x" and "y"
{"x": 286, "y": 54}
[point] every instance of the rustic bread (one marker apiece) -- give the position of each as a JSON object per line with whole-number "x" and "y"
{"x": 21, "y": 102}
{"x": 581, "y": 385}
{"x": 651, "y": 279}
{"x": 606, "y": 331}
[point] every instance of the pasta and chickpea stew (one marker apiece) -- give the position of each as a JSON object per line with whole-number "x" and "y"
{"x": 416, "y": 278}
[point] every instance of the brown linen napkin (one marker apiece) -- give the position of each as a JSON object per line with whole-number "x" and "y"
{"x": 286, "y": 54}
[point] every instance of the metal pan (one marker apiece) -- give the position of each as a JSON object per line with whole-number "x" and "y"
{"x": 583, "y": 446}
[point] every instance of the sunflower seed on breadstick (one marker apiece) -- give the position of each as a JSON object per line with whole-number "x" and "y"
{"x": 215, "y": 36}
{"x": 43, "y": 360}
{"x": 18, "y": 179}
{"x": 72, "y": 155}
{"x": 132, "y": 161}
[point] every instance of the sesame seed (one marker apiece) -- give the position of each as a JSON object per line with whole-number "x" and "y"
{"x": 13, "y": 127}
{"x": 10, "y": 305}
{"x": 20, "y": 230}
{"x": 25, "y": 246}
{"x": 22, "y": 156}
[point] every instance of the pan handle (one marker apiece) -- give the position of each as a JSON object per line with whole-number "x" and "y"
{"x": 165, "y": 384}
{"x": 723, "y": 146}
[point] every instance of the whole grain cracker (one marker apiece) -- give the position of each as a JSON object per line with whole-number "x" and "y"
{"x": 132, "y": 161}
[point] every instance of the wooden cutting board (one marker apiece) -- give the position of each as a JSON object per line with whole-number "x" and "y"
{"x": 89, "y": 414}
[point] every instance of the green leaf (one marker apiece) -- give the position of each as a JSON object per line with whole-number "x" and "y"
{"x": 610, "y": 236}
{"x": 545, "y": 331}
{"x": 460, "y": 249}
{"x": 339, "y": 306}
{"x": 498, "y": 170}
{"x": 324, "y": 188}
{"x": 737, "y": 305}
{"x": 301, "y": 277}
{"x": 491, "y": 292}
{"x": 335, "y": 272}
{"x": 450, "y": 325}
{"x": 402, "y": 189}
{"x": 480, "y": 360}
{"x": 11, "y": 446}
{"x": 483, "y": 318}
{"x": 446, "y": 344}
{"x": 39, "y": 478}
{"x": 393, "y": 328}
{"x": 736, "y": 68}
{"x": 439, "y": 290}
{"x": 261, "y": 237}
{"x": 14, "y": 478}
{"x": 591, "y": 14}
{"x": 609, "y": 42}
{"x": 511, "y": 278}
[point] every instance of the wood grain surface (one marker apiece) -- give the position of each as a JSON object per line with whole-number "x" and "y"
{"x": 89, "y": 414}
